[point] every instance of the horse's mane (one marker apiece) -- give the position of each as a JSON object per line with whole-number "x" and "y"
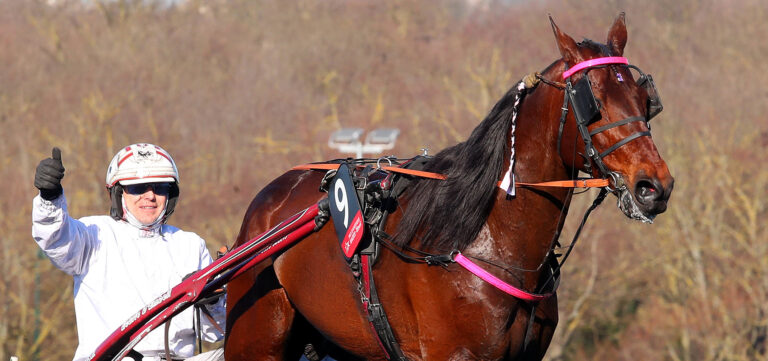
{"x": 597, "y": 47}
{"x": 450, "y": 214}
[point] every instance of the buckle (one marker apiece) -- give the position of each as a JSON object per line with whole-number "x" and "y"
{"x": 616, "y": 182}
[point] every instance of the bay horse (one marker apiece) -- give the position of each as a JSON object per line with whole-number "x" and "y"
{"x": 587, "y": 112}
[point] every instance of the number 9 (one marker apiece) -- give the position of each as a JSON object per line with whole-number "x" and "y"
{"x": 341, "y": 203}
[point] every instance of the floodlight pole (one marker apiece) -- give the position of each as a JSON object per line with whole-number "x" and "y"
{"x": 347, "y": 140}
{"x": 358, "y": 150}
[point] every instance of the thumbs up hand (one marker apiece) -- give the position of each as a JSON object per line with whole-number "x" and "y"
{"x": 48, "y": 176}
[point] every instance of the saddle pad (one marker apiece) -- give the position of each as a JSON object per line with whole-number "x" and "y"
{"x": 345, "y": 211}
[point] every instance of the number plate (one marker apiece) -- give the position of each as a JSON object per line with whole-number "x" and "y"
{"x": 345, "y": 211}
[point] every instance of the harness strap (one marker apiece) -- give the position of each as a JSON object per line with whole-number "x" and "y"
{"x": 498, "y": 283}
{"x": 529, "y": 329}
{"x": 595, "y": 62}
{"x": 624, "y": 141}
{"x": 317, "y": 166}
{"x": 334, "y": 166}
{"x": 574, "y": 183}
{"x": 413, "y": 172}
{"x": 563, "y": 114}
{"x": 617, "y": 124}
{"x": 211, "y": 320}
{"x": 377, "y": 318}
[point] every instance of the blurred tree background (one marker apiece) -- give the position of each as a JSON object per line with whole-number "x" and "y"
{"x": 241, "y": 90}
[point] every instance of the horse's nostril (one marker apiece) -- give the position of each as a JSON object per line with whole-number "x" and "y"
{"x": 646, "y": 191}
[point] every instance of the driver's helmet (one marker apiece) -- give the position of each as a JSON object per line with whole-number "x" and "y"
{"x": 137, "y": 164}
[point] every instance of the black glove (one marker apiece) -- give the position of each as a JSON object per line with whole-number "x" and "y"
{"x": 48, "y": 177}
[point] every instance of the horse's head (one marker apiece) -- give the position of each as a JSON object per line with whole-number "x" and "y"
{"x": 610, "y": 105}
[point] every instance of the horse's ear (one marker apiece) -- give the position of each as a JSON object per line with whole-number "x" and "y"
{"x": 567, "y": 46}
{"x": 617, "y": 36}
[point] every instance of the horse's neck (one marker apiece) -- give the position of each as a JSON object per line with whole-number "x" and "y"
{"x": 534, "y": 215}
{"x": 536, "y": 137}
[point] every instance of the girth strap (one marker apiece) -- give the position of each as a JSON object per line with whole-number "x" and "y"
{"x": 376, "y": 316}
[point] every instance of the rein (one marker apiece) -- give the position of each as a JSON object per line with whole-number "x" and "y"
{"x": 573, "y": 183}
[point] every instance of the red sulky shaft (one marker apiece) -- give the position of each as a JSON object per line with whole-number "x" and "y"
{"x": 202, "y": 283}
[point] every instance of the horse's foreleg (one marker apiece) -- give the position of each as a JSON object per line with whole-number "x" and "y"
{"x": 259, "y": 318}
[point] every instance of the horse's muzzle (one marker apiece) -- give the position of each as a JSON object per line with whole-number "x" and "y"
{"x": 652, "y": 196}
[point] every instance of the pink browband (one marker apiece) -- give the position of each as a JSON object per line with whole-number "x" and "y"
{"x": 595, "y": 62}
{"x": 496, "y": 282}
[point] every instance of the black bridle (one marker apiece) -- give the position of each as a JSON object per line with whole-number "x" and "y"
{"x": 586, "y": 109}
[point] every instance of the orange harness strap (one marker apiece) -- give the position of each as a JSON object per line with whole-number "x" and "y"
{"x": 576, "y": 183}
{"x": 417, "y": 173}
{"x": 333, "y": 166}
{"x": 317, "y": 166}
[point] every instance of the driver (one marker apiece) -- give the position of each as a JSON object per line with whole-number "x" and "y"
{"x": 123, "y": 261}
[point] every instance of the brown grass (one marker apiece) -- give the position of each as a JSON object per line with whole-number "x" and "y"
{"x": 238, "y": 91}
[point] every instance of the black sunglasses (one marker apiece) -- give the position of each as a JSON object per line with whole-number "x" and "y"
{"x": 161, "y": 189}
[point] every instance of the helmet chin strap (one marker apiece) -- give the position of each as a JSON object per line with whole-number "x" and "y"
{"x": 129, "y": 217}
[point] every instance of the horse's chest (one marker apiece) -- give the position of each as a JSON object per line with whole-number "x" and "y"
{"x": 476, "y": 323}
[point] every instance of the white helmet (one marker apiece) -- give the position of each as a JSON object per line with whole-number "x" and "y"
{"x": 141, "y": 163}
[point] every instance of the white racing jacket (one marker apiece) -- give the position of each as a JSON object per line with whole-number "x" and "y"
{"x": 118, "y": 269}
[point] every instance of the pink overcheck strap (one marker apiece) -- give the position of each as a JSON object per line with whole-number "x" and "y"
{"x": 595, "y": 62}
{"x": 496, "y": 282}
